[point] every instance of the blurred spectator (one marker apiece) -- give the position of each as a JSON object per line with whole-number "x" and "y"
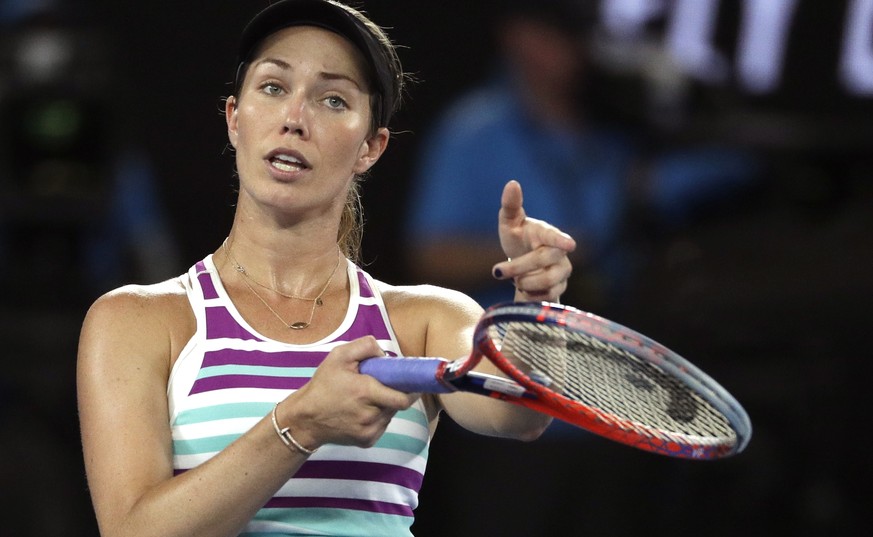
{"x": 80, "y": 202}
{"x": 541, "y": 119}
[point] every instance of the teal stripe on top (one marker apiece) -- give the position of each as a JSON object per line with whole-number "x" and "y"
{"x": 256, "y": 410}
{"x": 211, "y": 444}
{"x": 223, "y": 412}
{"x": 402, "y": 442}
{"x": 414, "y": 415}
{"x": 258, "y": 370}
{"x": 342, "y": 522}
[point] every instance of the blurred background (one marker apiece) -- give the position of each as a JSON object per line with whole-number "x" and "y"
{"x": 740, "y": 227}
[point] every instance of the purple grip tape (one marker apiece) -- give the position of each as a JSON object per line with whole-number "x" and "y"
{"x": 408, "y": 375}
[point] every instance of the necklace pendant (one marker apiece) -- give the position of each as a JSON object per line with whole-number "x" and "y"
{"x": 299, "y": 325}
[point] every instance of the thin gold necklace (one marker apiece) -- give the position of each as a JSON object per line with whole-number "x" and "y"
{"x": 317, "y": 301}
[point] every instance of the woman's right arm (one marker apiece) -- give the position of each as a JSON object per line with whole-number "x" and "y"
{"x": 126, "y": 348}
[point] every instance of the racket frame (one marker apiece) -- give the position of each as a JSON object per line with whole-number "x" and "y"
{"x": 440, "y": 376}
{"x": 542, "y": 399}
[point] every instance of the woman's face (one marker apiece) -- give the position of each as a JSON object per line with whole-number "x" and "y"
{"x": 300, "y": 125}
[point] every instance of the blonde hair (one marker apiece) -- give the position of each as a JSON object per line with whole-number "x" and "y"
{"x": 351, "y": 227}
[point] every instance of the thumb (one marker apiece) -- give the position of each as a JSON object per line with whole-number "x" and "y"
{"x": 510, "y": 221}
{"x": 511, "y": 204}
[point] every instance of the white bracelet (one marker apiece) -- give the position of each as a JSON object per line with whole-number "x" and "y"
{"x": 287, "y": 439}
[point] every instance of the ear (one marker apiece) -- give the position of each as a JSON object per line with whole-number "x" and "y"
{"x": 371, "y": 149}
{"x": 230, "y": 116}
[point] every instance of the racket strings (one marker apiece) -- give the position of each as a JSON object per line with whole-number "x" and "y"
{"x": 636, "y": 393}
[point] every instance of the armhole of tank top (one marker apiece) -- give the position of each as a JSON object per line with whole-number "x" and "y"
{"x": 383, "y": 311}
{"x": 420, "y": 404}
{"x": 177, "y": 384}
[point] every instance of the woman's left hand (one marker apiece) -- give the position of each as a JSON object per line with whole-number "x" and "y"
{"x": 536, "y": 251}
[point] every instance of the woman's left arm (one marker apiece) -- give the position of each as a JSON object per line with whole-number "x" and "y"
{"x": 451, "y": 319}
{"x": 539, "y": 267}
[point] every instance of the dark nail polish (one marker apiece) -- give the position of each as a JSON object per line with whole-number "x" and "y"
{"x": 498, "y": 273}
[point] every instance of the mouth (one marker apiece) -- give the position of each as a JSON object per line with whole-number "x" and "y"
{"x": 288, "y": 161}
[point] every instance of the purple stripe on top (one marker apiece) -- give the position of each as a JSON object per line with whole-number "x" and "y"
{"x": 368, "y": 321}
{"x": 371, "y": 506}
{"x": 361, "y": 471}
{"x": 262, "y": 358}
{"x": 222, "y": 382}
{"x": 366, "y": 290}
{"x": 221, "y": 324}
{"x": 205, "y": 279}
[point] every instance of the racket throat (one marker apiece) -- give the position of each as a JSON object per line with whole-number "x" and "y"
{"x": 490, "y": 385}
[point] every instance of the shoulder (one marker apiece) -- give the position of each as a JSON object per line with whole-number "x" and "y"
{"x": 420, "y": 313}
{"x": 154, "y": 317}
{"x": 427, "y": 300}
{"x": 140, "y": 300}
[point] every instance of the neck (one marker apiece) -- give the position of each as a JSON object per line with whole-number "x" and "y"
{"x": 292, "y": 272}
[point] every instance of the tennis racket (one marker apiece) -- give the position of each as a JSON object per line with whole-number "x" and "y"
{"x": 587, "y": 371}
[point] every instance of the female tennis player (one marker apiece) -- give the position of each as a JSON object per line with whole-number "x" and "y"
{"x": 229, "y": 400}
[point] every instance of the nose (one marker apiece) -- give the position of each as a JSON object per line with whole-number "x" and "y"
{"x": 296, "y": 117}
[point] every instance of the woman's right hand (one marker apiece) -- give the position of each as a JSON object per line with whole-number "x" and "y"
{"x": 339, "y": 405}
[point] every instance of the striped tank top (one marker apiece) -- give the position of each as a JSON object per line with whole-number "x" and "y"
{"x": 229, "y": 376}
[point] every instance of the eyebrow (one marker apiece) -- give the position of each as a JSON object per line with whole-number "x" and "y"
{"x": 285, "y": 66}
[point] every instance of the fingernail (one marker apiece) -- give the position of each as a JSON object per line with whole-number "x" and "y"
{"x": 497, "y": 273}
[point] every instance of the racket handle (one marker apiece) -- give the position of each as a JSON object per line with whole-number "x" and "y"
{"x": 410, "y": 375}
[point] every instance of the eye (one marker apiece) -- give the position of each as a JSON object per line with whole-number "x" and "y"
{"x": 336, "y": 102}
{"x": 271, "y": 88}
